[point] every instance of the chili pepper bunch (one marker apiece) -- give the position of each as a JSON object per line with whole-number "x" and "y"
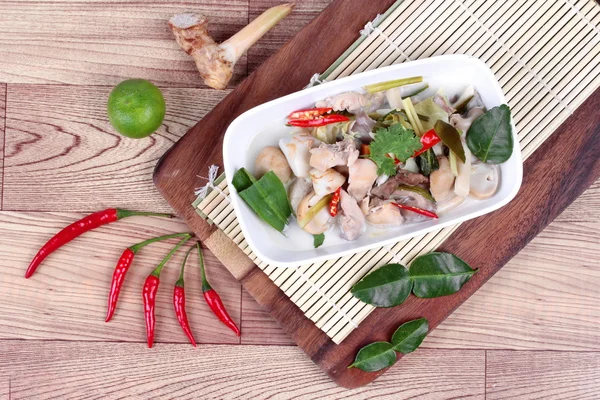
{"x": 152, "y": 282}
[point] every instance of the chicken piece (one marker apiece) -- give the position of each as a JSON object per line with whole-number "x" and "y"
{"x": 464, "y": 123}
{"x": 297, "y": 152}
{"x": 353, "y": 102}
{"x": 331, "y": 155}
{"x": 364, "y": 205}
{"x": 297, "y": 191}
{"x": 442, "y": 181}
{"x": 351, "y": 218}
{"x": 386, "y": 215}
{"x": 325, "y": 182}
{"x": 272, "y": 159}
{"x": 363, "y": 174}
{"x": 321, "y": 220}
{"x": 402, "y": 178}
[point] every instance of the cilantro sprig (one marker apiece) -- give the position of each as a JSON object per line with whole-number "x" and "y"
{"x": 396, "y": 140}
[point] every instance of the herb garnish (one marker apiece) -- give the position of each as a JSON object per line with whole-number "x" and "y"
{"x": 396, "y": 140}
{"x": 490, "y": 136}
{"x": 430, "y": 275}
{"x": 379, "y": 355}
{"x": 318, "y": 239}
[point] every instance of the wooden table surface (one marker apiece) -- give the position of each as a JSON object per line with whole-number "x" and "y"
{"x": 530, "y": 332}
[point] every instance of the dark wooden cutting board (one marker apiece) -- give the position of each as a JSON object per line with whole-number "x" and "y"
{"x": 557, "y": 173}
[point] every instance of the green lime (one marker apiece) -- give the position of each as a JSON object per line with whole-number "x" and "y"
{"x": 136, "y": 108}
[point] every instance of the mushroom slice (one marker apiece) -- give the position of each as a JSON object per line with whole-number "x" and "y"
{"x": 442, "y": 181}
{"x": 351, "y": 219}
{"x": 272, "y": 159}
{"x": 386, "y": 215}
{"x": 331, "y": 155}
{"x": 484, "y": 180}
{"x": 325, "y": 182}
{"x": 319, "y": 223}
{"x": 363, "y": 174}
{"x": 297, "y": 191}
{"x": 464, "y": 123}
{"x": 296, "y": 149}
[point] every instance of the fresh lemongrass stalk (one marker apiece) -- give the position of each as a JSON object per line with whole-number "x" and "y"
{"x": 381, "y": 86}
{"x": 214, "y": 61}
{"x": 454, "y": 163}
{"x": 314, "y": 210}
{"x": 413, "y": 118}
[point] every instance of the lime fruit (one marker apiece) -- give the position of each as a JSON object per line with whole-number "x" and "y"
{"x": 136, "y": 108}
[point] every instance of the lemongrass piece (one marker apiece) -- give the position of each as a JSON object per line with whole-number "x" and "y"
{"x": 310, "y": 214}
{"x": 462, "y": 185}
{"x": 413, "y": 118}
{"x": 381, "y": 86}
{"x": 214, "y": 61}
{"x": 454, "y": 163}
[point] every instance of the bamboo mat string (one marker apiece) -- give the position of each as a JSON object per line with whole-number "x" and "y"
{"x": 325, "y": 297}
{"x": 582, "y": 16}
{"x": 371, "y": 28}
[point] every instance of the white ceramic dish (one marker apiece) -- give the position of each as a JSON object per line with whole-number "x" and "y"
{"x": 265, "y": 125}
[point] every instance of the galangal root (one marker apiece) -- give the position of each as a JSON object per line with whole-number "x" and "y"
{"x": 216, "y": 61}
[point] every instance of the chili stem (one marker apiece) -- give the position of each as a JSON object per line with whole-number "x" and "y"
{"x": 160, "y": 266}
{"x": 180, "y": 280}
{"x": 128, "y": 213}
{"x": 205, "y": 285}
{"x": 136, "y": 247}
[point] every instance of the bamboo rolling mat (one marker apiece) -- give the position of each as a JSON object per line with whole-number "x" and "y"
{"x": 545, "y": 54}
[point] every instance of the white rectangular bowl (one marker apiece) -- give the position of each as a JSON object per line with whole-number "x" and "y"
{"x": 265, "y": 125}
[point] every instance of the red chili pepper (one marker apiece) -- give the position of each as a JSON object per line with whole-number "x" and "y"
{"x": 322, "y": 121}
{"x": 179, "y": 302}
{"x": 149, "y": 293}
{"x": 310, "y": 113}
{"x": 428, "y": 140}
{"x": 212, "y": 298}
{"x": 416, "y": 210}
{"x": 122, "y": 267}
{"x": 74, "y": 230}
{"x": 365, "y": 149}
{"x": 334, "y": 204}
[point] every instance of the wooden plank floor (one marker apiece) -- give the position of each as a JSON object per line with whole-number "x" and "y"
{"x": 531, "y": 332}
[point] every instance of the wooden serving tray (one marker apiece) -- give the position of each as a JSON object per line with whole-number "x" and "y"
{"x": 557, "y": 173}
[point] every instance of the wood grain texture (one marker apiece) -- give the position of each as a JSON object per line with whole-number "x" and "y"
{"x": 258, "y": 326}
{"x": 4, "y": 387}
{"x": 62, "y": 154}
{"x": 100, "y": 370}
{"x": 2, "y": 134}
{"x": 101, "y": 43}
{"x": 543, "y": 375}
{"x": 303, "y": 13}
{"x": 66, "y": 298}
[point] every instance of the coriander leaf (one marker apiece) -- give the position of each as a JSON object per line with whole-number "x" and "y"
{"x": 397, "y": 140}
{"x": 318, "y": 239}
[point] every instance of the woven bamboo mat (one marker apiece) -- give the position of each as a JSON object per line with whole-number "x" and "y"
{"x": 546, "y": 56}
